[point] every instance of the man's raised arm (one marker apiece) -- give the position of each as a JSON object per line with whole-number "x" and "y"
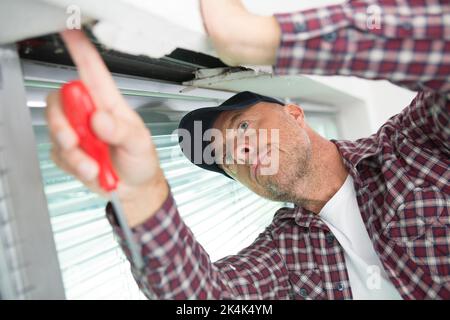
{"x": 406, "y": 43}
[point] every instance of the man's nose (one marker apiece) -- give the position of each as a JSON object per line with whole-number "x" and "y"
{"x": 245, "y": 154}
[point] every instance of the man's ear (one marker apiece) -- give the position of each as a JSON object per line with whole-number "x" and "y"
{"x": 295, "y": 112}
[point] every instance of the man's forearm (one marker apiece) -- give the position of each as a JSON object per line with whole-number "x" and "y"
{"x": 239, "y": 36}
{"x": 178, "y": 267}
{"x": 146, "y": 201}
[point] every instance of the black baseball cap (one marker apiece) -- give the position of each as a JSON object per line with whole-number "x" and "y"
{"x": 207, "y": 116}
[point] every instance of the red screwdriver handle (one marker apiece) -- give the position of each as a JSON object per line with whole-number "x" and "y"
{"x": 79, "y": 108}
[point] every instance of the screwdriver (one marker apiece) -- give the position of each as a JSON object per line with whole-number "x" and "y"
{"x": 78, "y": 108}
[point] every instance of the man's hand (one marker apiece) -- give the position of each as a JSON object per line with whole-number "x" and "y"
{"x": 239, "y": 36}
{"x": 142, "y": 188}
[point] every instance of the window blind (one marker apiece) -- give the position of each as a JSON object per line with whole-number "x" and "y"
{"x": 91, "y": 263}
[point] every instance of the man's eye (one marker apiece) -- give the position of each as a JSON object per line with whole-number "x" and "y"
{"x": 243, "y": 125}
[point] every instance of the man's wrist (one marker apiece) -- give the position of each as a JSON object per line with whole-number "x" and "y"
{"x": 239, "y": 36}
{"x": 145, "y": 201}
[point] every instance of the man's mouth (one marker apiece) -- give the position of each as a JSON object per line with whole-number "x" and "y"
{"x": 254, "y": 171}
{"x": 254, "y": 168}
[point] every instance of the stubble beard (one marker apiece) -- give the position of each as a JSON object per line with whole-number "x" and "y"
{"x": 295, "y": 167}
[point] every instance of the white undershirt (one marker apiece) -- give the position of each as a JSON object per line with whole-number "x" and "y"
{"x": 368, "y": 279}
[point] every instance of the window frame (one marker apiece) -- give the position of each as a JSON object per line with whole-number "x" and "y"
{"x": 32, "y": 265}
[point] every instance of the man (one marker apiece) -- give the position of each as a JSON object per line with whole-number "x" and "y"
{"x": 371, "y": 217}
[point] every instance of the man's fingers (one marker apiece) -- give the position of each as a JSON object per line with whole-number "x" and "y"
{"x": 77, "y": 163}
{"x": 123, "y": 125}
{"x": 92, "y": 70}
{"x": 128, "y": 133}
{"x": 60, "y": 129}
{"x": 66, "y": 153}
{"x": 59, "y": 159}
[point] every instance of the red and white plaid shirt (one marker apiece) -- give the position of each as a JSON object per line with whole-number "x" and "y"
{"x": 401, "y": 174}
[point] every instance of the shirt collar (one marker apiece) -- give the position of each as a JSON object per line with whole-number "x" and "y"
{"x": 357, "y": 154}
{"x": 353, "y": 155}
{"x": 302, "y": 217}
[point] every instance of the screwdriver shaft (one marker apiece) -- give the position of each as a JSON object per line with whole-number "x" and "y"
{"x": 121, "y": 219}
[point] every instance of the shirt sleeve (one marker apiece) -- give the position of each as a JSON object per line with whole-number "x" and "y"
{"x": 405, "y": 42}
{"x": 178, "y": 267}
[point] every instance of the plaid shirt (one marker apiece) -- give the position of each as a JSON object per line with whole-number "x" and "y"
{"x": 401, "y": 174}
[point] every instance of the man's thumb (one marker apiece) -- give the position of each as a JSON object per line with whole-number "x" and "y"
{"x": 120, "y": 132}
{"x": 105, "y": 127}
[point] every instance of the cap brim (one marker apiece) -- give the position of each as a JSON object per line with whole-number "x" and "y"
{"x": 207, "y": 117}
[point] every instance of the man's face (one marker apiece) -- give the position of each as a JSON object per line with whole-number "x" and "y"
{"x": 284, "y": 141}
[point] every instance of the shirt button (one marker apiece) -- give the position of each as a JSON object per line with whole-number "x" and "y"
{"x": 300, "y": 27}
{"x": 330, "y": 37}
{"x": 329, "y": 238}
{"x": 340, "y": 286}
{"x": 303, "y": 292}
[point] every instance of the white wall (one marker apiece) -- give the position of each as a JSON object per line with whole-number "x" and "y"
{"x": 379, "y": 100}
{"x": 385, "y": 100}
